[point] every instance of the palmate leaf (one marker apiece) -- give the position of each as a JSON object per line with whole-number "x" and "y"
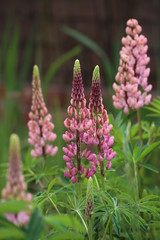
{"x": 149, "y": 167}
{"x": 65, "y": 223}
{"x": 150, "y": 204}
{"x": 146, "y": 150}
{"x": 116, "y": 222}
{"x": 154, "y": 107}
{"x": 35, "y": 225}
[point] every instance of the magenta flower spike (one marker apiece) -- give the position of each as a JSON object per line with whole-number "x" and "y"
{"x": 132, "y": 89}
{"x": 77, "y": 126}
{"x": 16, "y": 186}
{"x": 99, "y": 133}
{"x": 40, "y": 125}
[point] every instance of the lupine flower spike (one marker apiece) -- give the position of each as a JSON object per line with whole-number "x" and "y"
{"x": 40, "y": 126}
{"x": 16, "y": 186}
{"x": 77, "y": 125}
{"x": 132, "y": 90}
{"x": 89, "y": 199}
{"x": 99, "y": 133}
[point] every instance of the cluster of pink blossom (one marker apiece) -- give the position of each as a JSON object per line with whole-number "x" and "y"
{"x": 77, "y": 125}
{"x": 99, "y": 133}
{"x": 40, "y": 125}
{"x": 89, "y": 127}
{"x": 132, "y": 77}
{"x": 16, "y": 186}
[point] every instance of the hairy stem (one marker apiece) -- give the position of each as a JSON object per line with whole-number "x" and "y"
{"x": 106, "y": 229}
{"x": 139, "y": 123}
{"x": 101, "y": 163}
{"x": 136, "y": 166}
{"x": 78, "y": 163}
{"x": 137, "y": 179}
{"x": 55, "y": 206}
{"x": 90, "y": 235}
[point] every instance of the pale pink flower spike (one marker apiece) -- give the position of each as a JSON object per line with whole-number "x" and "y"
{"x": 132, "y": 90}
{"x": 40, "y": 125}
{"x": 16, "y": 186}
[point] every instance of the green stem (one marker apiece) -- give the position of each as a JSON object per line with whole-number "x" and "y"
{"x": 79, "y": 190}
{"x": 137, "y": 179}
{"x": 90, "y": 230}
{"x": 139, "y": 123}
{"x": 54, "y": 206}
{"x": 106, "y": 229}
{"x": 111, "y": 231}
{"x": 82, "y": 220}
{"x": 78, "y": 157}
{"x": 136, "y": 166}
{"x": 103, "y": 183}
{"x": 98, "y": 188}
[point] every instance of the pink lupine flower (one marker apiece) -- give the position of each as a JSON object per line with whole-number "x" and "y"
{"x": 132, "y": 90}
{"x": 99, "y": 132}
{"x": 16, "y": 186}
{"x": 77, "y": 126}
{"x": 40, "y": 125}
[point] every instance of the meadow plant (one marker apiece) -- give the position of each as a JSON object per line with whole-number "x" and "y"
{"x": 124, "y": 206}
{"x": 77, "y": 125}
{"x": 16, "y": 186}
{"x": 132, "y": 90}
{"x": 99, "y": 133}
{"x": 40, "y": 125}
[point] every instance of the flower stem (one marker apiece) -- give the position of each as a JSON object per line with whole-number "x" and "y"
{"x": 137, "y": 173}
{"x": 90, "y": 229}
{"x": 102, "y": 176}
{"x": 54, "y": 205}
{"x": 101, "y": 163}
{"x": 108, "y": 223}
{"x": 139, "y": 123}
{"x": 78, "y": 157}
{"x": 137, "y": 179}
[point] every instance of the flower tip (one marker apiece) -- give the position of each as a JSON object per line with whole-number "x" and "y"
{"x": 76, "y": 66}
{"x": 96, "y": 74}
{"x": 14, "y": 143}
{"x": 35, "y": 71}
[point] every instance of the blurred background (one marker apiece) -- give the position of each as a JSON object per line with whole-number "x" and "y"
{"x": 52, "y": 34}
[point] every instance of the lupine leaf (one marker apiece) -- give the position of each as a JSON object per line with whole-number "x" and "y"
{"x": 11, "y": 233}
{"x": 35, "y": 225}
{"x": 147, "y": 150}
{"x": 149, "y": 167}
{"x": 13, "y": 206}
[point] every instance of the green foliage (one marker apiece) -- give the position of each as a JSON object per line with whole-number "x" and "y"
{"x": 13, "y": 206}
{"x": 35, "y": 226}
{"x": 129, "y": 208}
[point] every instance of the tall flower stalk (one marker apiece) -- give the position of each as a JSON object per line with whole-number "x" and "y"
{"x": 100, "y": 130}
{"x": 132, "y": 90}
{"x": 89, "y": 205}
{"x": 16, "y": 186}
{"x": 40, "y": 125}
{"x": 78, "y": 123}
